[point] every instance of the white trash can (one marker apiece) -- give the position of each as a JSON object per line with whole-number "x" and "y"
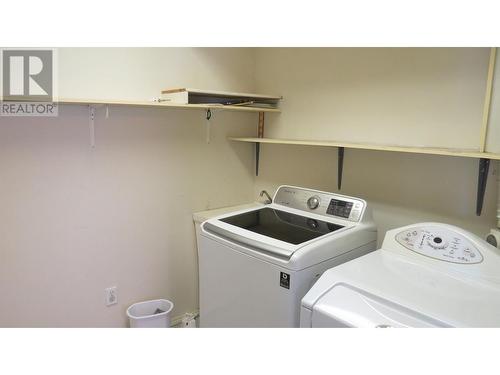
{"x": 150, "y": 314}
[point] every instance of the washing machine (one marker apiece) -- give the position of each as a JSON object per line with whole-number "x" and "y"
{"x": 256, "y": 264}
{"x": 425, "y": 275}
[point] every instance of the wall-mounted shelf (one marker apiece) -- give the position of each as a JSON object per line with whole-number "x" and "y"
{"x": 414, "y": 150}
{"x": 484, "y": 157}
{"x": 165, "y": 105}
{"x": 207, "y": 108}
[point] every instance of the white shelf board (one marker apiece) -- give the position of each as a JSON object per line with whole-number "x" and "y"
{"x": 165, "y": 105}
{"x": 414, "y": 150}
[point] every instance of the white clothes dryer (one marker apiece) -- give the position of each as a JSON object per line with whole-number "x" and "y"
{"x": 425, "y": 275}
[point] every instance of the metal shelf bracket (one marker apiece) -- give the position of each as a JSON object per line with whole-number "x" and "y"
{"x": 92, "y": 110}
{"x": 260, "y": 134}
{"x": 92, "y": 125}
{"x": 257, "y": 157}
{"x": 340, "y": 166}
{"x": 482, "y": 179}
{"x": 208, "y": 117}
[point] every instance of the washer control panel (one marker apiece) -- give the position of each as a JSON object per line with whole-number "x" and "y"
{"x": 441, "y": 244}
{"x": 339, "y": 207}
{"x": 321, "y": 203}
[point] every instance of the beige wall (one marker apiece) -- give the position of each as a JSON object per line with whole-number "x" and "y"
{"x": 75, "y": 220}
{"x": 141, "y": 73}
{"x": 401, "y": 96}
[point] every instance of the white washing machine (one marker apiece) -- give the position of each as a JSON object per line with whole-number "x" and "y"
{"x": 425, "y": 275}
{"x": 256, "y": 264}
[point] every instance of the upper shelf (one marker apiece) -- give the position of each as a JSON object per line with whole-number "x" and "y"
{"x": 414, "y": 150}
{"x": 166, "y": 105}
{"x": 130, "y": 103}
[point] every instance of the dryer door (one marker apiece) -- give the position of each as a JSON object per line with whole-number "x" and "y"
{"x": 347, "y": 306}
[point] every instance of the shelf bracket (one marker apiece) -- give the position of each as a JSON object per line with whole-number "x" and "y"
{"x": 340, "y": 166}
{"x": 260, "y": 134}
{"x": 482, "y": 179}
{"x": 208, "y": 117}
{"x": 92, "y": 125}
{"x": 260, "y": 130}
{"x": 257, "y": 156}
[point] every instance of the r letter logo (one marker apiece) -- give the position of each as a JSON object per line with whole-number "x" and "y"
{"x": 28, "y": 83}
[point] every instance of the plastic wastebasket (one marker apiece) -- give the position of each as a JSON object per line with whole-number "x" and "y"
{"x": 150, "y": 314}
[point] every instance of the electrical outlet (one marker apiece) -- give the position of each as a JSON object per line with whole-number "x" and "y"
{"x": 111, "y": 296}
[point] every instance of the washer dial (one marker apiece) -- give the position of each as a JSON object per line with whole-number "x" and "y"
{"x": 313, "y": 202}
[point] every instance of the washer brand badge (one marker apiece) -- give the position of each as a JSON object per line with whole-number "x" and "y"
{"x": 285, "y": 280}
{"x": 28, "y": 82}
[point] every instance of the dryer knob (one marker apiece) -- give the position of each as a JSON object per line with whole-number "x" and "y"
{"x": 313, "y": 202}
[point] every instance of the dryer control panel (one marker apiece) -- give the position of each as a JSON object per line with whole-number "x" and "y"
{"x": 441, "y": 244}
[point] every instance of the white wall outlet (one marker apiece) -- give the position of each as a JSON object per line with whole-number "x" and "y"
{"x": 111, "y": 296}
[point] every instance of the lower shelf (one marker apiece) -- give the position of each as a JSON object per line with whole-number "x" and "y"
{"x": 414, "y": 150}
{"x": 484, "y": 157}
